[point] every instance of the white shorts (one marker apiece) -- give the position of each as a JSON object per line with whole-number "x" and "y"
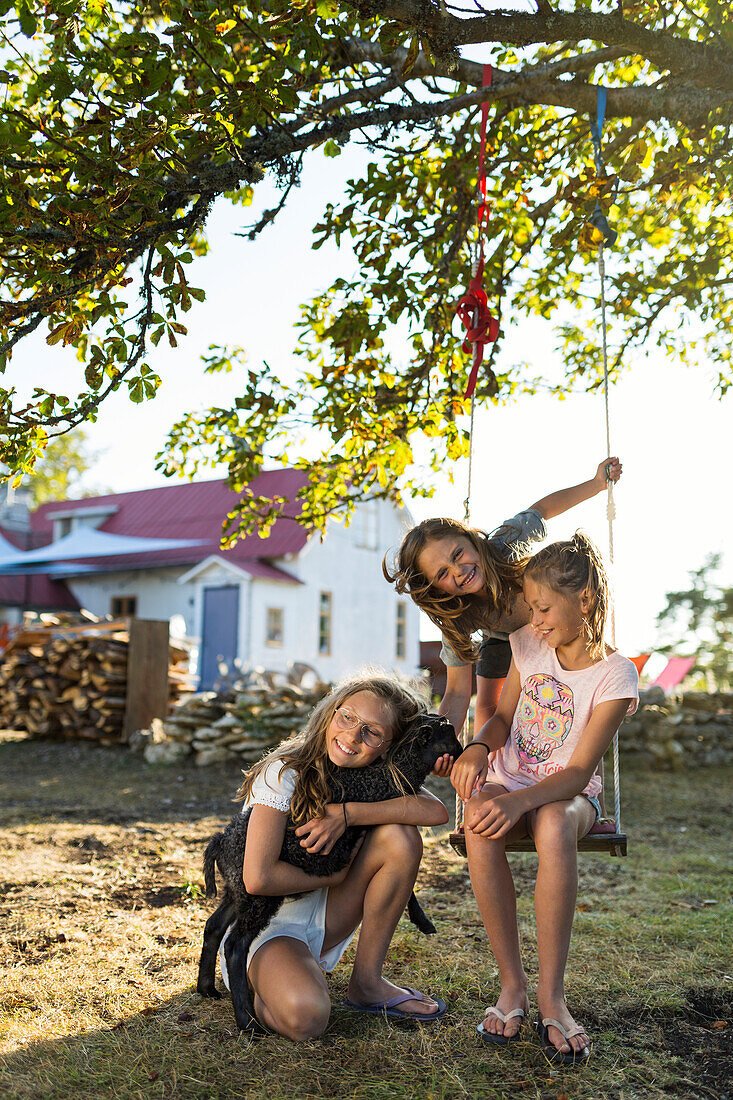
{"x": 302, "y": 918}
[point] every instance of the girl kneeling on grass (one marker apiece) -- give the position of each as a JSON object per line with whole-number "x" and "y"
{"x": 356, "y": 724}
{"x": 533, "y": 770}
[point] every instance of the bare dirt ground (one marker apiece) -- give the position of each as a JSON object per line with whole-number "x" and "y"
{"x": 101, "y": 917}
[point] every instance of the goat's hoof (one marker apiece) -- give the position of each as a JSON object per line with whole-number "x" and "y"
{"x": 210, "y": 991}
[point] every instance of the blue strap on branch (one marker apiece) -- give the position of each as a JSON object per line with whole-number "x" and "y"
{"x": 598, "y": 218}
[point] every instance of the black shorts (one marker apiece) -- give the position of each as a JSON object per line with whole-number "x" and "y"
{"x": 494, "y": 658}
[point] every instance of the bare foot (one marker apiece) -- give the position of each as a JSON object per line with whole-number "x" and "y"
{"x": 558, "y": 1010}
{"x": 509, "y": 999}
{"x": 362, "y": 993}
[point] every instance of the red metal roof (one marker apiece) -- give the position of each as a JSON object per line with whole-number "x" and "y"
{"x": 36, "y": 592}
{"x": 194, "y": 510}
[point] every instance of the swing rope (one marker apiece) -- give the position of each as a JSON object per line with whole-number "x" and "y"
{"x": 481, "y": 327}
{"x": 603, "y": 232}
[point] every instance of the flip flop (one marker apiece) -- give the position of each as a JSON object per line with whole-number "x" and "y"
{"x": 572, "y": 1057}
{"x": 392, "y": 1011}
{"x": 494, "y": 1037}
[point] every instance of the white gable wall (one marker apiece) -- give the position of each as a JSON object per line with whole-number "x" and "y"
{"x": 364, "y": 605}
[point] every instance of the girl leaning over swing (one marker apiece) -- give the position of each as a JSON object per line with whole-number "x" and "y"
{"x": 533, "y": 770}
{"x": 357, "y": 723}
{"x": 466, "y": 580}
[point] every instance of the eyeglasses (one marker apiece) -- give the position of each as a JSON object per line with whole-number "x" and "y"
{"x": 348, "y": 721}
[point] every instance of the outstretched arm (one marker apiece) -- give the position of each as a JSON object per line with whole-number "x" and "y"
{"x": 454, "y": 704}
{"x": 469, "y": 771}
{"x": 564, "y": 499}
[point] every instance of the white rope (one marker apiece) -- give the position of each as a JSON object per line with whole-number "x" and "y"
{"x": 611, "y": 514}
{"x": 464, "y": 735}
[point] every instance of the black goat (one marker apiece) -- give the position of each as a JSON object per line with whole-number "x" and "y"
{"x": 428, "y": 737}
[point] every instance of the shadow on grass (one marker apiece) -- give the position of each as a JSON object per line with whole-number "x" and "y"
{"x": 187, "y": 1047}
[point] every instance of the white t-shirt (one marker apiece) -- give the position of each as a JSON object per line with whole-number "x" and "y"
{"x": 555, "y": 706}
{"x": 274, "y": 786}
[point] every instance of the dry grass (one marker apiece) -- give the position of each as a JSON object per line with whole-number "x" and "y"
{"x": 101, "y": 929}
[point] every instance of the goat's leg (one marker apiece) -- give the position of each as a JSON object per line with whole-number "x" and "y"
{"x": 236, "y": 950}
{"x": 216, "y": 926}
{"x": 417, "y": 915}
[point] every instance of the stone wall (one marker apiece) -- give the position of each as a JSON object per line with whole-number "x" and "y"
{"x": 237, "y": 724}
{"x": 691, "y": 730}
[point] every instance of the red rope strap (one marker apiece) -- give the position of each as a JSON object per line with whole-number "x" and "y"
{"x": 473, "y": 309}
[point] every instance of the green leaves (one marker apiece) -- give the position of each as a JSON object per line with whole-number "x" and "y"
{"x": 122, "y": 126}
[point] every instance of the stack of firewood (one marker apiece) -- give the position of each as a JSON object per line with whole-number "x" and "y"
{"x": 71, "y": 681}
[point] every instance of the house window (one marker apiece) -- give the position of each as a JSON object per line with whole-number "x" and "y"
{"x": 401, "y": 631}
{"x": 274, "y": 626}
{"x": 324, "y": 624}
{"x": 123, "y": 607}
{"x": 367, "y": 525}
{"x": 62, "y": 527}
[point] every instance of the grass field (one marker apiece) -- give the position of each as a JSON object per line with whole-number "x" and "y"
{"x": 101, "y": 917}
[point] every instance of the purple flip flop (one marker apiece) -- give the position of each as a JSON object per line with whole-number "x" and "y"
{"x": 392, "y": 1011}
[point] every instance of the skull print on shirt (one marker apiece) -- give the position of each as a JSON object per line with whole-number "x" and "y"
{"x": 544, "y": 718}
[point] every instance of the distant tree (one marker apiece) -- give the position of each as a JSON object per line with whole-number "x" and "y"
{"x": 59, "y": 474}
{"x": 699, "y": 619}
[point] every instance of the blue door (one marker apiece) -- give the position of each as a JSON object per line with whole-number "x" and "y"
{"x": 218, "y": 633}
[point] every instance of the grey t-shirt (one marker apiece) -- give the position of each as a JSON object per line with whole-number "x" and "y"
{"x": 525, "y": 527}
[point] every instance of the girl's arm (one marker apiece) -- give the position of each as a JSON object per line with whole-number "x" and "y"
{"x": 557, "y": 503}
{"x": 496, "y": 816}
{"x": 263, "y": 871}
{"x": 469, "y": 770}
{"x": 454, "y": 704}
{"x": 321, "y": 833}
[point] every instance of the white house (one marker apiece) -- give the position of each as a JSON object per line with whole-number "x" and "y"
{"x": 291, "y": 596}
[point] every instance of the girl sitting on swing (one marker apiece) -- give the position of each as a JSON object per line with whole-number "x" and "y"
{"x": 466, "y": 580}
{"x": 533, "y": 770}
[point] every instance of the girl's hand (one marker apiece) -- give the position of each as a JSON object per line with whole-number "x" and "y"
{"x": 494, "y": 817}
{"x": 469, "y": 771}
{"x": 319, "y": 835}
{"x": 609, "y": 468}
{"x": 443, "y": 765}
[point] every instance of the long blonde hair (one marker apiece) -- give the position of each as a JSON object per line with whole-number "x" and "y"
{"x": 458, "y": 617}
{"x": 576, "y": 566}
{"x": 306, "y": 752}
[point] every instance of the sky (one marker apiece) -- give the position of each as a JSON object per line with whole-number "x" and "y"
{"x": 671, "y": 432}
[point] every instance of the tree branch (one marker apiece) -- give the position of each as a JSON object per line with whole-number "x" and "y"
{"x": 704, "y": 64}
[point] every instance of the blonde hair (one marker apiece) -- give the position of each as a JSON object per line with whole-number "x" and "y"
{"x": 577, "y": 566}
{"x": 458, "y": 617}
{"x": 306, "y": 752}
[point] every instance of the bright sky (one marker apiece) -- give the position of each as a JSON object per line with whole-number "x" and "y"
{"x": 672, "y": 434}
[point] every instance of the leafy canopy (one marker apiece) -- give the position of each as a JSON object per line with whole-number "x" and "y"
{"x": 123, "y": 123}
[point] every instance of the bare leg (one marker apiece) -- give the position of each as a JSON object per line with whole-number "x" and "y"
{"x": 375, "y": 892}
{"x": 487, "y": 699}
{"x": 556, "y": 828}
{"x": 290, "y": 992}
{"x": 493, "y": 886}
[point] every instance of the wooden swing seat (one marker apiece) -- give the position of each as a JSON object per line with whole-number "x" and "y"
{"x": 614, "y": 843}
